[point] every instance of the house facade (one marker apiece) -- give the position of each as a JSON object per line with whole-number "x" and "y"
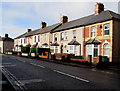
{"x": 36, "y": 38}
{"x": 94, "y": 35}
{"x": 102, "y": 35}
{"x": 6, "y": 44}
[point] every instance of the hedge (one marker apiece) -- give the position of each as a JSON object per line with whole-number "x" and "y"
{"x": 25, "y": 49}
{"x": 33, "y": 50}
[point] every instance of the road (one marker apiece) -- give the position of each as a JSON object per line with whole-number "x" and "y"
{"x": 35, "y": 74}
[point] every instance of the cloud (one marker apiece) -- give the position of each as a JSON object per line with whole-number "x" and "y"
{"x": 17, "y": 17}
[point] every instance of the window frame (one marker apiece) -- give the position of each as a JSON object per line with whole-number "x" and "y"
{"x": 55, "y": 37}
{"x": 66, "y": 36}
{"x": 93, "y": 31}
{"x": 74, "y": 34}
{"x": 106, "y": 29}
{"x": 108, "y": 47}
{"x": 62, "y": 36}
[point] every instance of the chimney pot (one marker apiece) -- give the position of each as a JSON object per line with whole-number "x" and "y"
{"x": 43, "y": 24}
{"x": 6, "y": 35}
{"x": 99, "y": 7}
{"x": 29, "y": 30}
{"x": 64, "y": 19}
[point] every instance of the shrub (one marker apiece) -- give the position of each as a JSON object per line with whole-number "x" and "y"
{"x": 25, "y": 49}
{"x": 34, "y": 50}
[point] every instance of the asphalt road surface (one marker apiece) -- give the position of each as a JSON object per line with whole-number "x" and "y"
{"x": 35, "y": 75}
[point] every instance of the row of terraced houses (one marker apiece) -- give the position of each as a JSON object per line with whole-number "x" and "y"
{"x": 96, "y": 35}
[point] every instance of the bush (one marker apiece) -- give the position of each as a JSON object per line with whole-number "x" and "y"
{"x": 25, "y": 49}
{"x": 33, "y": 50}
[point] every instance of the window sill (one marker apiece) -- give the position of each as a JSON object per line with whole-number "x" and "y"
{"x": 106, "y": 35}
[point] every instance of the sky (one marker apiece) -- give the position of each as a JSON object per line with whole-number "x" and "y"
{"x": 17, "y": 17}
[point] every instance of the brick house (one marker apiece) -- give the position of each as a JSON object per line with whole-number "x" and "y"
{"x": 6, "y": 44}
{"x": 101, "y": 34}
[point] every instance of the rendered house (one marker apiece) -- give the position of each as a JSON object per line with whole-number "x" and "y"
{"x": 39, "y": 37}
{"x": 6, "y": 44}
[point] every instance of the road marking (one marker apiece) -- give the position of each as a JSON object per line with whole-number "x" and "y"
{"x": 8, "y": 66}
{"x": 3, "y": 82}
{"x": 37, "y": 65}
{"x": 31, "y": 81}
{"x": 41, "y": 66}
{"x": 5, "y": 63}
{"x": 71, "y": 76}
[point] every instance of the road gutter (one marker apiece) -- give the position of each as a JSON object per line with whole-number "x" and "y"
{"x": 17, "y": 85}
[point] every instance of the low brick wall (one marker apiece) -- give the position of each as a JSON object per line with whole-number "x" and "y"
{"x": 79, "y": 60}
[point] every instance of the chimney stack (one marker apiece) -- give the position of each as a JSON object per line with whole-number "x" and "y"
{"x": 29, "y": 30}
{"x": 6, "y": 35}
{"x": 99, "y": 7}
{"x": 64, "y": 19}
{"x": 43, "y": 24}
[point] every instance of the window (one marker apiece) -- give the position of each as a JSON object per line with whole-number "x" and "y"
{"x": 89, "y": 50}
{"x": 92, "y": 49}
{"x": 106, "y": 49}
{"x": 35, "y": 39}
{"x": 62, "y": 36}
{"x": 38, "y": 38}
{"x": 74, "y": 34}
{"x": 24, "y": 41}
{"x": 21, "y": 41}
{"x": 93, "y": 30}
{"x": 106, "y": 29}
{"x": 73, "y": 49}
{"x": 95, "y": 50}
{"x": 66, "y": 36}
{"x": 56, "y": 49}
{"x": 55, "y": 37}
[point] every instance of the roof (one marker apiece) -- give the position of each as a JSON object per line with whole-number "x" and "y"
{"x": 93, "y": 41}
{"x": 45, "y": 44}
{"x": 38, "y": 31}
{"x": 73, "y": 24}
{"x": 55, "y": 44}
{"x": 91, "y": 19}
{"x": 6, "y": 39}
{"x": 73, "y": 42}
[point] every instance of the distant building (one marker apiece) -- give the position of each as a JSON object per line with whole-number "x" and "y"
{"x": 6, "y": 44}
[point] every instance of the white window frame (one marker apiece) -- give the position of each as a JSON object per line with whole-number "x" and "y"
{"x": 66, "y": 36}
{"x": 74, "y": 34}
{"x": 62, "y": 36}
{"x": 73, "y": 50}
{"x": 55, "y": 36}
{"x": 108, "y": 29}
{"x": 55, "y": 49}
{"x": 93, "y": 31}
{"x": 106, "y": 48}
{"x": 90, "y": 50}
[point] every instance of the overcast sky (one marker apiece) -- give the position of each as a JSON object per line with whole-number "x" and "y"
{"x": 17, "y": 17}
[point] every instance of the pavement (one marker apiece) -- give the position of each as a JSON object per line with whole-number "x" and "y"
{"x": 40, "y": 74}
{"x": 107, "y": 69}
